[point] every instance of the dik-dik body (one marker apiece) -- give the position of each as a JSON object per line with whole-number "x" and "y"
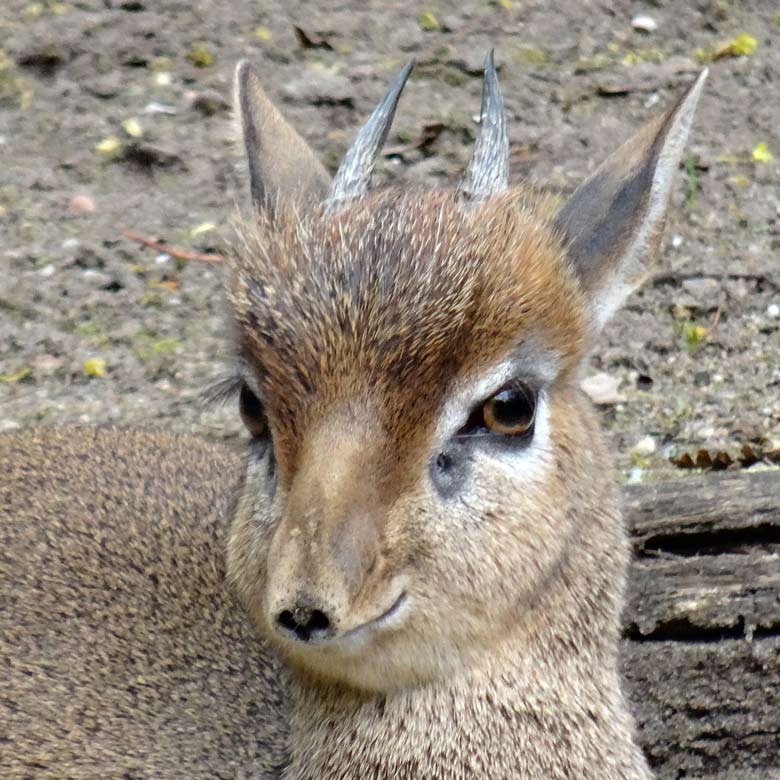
{"x": 423, "y": 528}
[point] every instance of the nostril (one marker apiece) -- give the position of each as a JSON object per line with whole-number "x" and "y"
{"x": 305, "y": 623}
{"x": 285, "y": 620}
{"x": 318, "y": 621}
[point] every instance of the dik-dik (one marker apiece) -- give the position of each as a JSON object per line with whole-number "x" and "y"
{"x": 423, "y": 527}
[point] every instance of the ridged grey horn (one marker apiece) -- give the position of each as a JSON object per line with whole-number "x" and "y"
{"x": 354, "y": 173}
{"x": 488, "y": 171}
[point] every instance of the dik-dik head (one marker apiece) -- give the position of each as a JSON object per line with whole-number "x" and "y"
{"x": 423, "y": 467}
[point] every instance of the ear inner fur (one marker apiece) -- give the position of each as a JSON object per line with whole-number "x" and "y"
{"x": 613, "y": 222}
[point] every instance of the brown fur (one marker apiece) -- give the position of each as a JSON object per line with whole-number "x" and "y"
{"x": 369, "y": 335}
{"x": 395, "y": 298}
{"x": 122, "y": 654}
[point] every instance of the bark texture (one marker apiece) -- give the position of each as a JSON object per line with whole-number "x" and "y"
{"x": 702, "y": 626}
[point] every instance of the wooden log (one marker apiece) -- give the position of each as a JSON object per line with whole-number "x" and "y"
{"x": 702, "y": 625}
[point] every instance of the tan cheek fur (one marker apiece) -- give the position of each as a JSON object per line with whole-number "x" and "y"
{"x": 477, "y": 566}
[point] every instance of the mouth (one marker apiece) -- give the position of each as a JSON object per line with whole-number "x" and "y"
{"x": 385, "y": 620}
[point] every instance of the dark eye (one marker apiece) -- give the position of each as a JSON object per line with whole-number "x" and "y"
{"x": 252, "y": 413}
{"x": 510, "y": 412}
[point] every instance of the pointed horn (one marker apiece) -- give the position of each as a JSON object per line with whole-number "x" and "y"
{"x": 354, "y": 173}
{"x": 488, "y": 171}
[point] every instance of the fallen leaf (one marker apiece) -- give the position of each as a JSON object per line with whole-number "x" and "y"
{"x": 95, "y": 367}
{"x": 161, "y": 64}
{"x": 694, "y": 335}
{"x": 428, "y": 21}
{"x": 722, "y": 460}
{"x": 531, "y": 55}
{"x": 428, "y": 134}
{"x": 132, "y": 127}
{"x": 684, "y": 461}
{"x": 108, "y": 146}
{"x": 742, "y": 46}
{"x": 201, "y": 56}
{"x": 307, "y": 41}
{"x": 16, "y": 377}
{"x": 204, "y": 227}
{"x": 170, "y": 285}
{"x": 761, "y": 154}
{"x": 263, "y": 34}
{"x": 166, "y": 346}
{"x": 706, "y": 460}
{"x": 749, "y": 456}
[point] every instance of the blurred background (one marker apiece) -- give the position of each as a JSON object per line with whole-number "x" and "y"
{"x": 115, "y": 116}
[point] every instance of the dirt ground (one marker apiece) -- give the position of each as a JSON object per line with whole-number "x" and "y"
{"x": 126, "y": 103}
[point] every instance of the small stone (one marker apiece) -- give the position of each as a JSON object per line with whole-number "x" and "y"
{"x": 47, "y": 363}
{"x": 210, "y": 102}
{"x": 773, "y": 311}
{"x": 701, "y": 378}
{"x": 677, "y": 241}
{"x": 603, "y": 389}
{"x": 645, "y": 446}
{"x": 701, "y": 287}
{"x": 159, "y": 108}
{"x": 320, "y": 88}
{"x": 97, "y": 278}
{"x": 105, "y": 86}
{"x": 82, "y": 204}
{"x": 644, "y": 23}
{"x": 635, "y": 476}
{"x": 47, "y": 270}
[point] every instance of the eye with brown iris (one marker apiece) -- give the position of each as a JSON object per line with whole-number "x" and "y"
{"x": 252, "y": 414}
{"x": 510, "y": 412}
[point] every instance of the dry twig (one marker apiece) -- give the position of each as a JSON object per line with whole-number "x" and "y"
{"x": 179, "y": 254}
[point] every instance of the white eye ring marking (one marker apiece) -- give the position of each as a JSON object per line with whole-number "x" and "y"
{"x": 530, "y": 463}
{"x": 459, "y": 406}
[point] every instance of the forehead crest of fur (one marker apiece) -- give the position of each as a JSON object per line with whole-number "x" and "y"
{"x": 396, "y": 296}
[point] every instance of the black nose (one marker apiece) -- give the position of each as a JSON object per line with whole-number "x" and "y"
{"x": 305, "y": 622}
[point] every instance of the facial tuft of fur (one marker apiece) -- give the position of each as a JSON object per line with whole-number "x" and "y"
{"x": 393, "y": 299}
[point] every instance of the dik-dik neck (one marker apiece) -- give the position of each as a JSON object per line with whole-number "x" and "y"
{"x": 544, "y": 704}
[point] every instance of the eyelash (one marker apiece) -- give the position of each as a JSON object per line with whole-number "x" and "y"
{"x": 224, "y": 389}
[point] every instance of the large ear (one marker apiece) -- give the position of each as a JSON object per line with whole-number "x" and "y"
{"x": 282, "y": 166}
{"x": 612, "y": 224}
